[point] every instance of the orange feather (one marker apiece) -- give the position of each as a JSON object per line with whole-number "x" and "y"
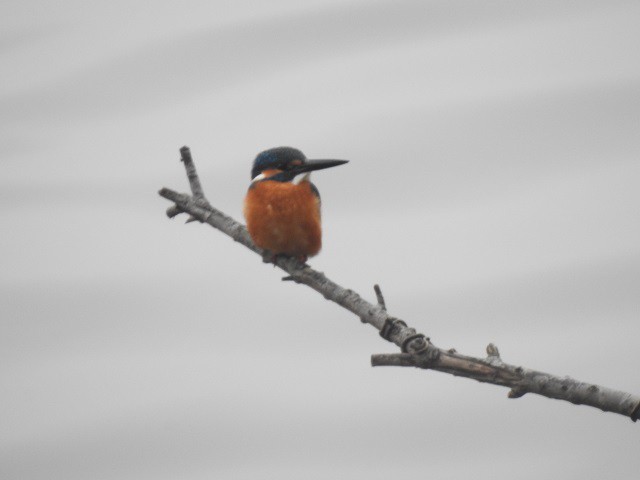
{"x": 284, "y": 218}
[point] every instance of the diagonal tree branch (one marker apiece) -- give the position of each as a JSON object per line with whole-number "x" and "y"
{"x": 416, "y": 349}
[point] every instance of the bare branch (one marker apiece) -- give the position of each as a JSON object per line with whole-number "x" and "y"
{"x": 417, "y": 349}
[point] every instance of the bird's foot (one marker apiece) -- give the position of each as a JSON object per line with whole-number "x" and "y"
{"x": 270, "y": 257}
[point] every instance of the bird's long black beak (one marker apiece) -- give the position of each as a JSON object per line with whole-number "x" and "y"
{"x": 311, "y": 165}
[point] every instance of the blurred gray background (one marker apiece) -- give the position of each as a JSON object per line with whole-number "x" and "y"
{"x": 492, "y": 192}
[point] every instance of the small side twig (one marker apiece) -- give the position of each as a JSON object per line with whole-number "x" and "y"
{"x": 379, "y": 296}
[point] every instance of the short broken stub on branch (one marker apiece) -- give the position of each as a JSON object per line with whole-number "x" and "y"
{"x": 416, "y": 349}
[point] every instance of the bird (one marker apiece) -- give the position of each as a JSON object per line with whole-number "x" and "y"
{"x": 282, "y": 206}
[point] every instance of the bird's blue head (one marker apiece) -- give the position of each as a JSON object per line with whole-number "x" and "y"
{"x": 289, "y": 161}
{"x": 279, "y": 158}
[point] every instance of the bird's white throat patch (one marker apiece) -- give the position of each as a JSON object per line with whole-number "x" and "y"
{"x": 302, "y": 178}
{"x": 258, "y": 178}
{"x": 296, "y": 180}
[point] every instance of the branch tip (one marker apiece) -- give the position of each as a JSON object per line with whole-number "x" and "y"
{"x": 185, "y": 154}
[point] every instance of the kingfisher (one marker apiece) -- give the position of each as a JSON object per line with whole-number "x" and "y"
{"x": 282, "y": 207}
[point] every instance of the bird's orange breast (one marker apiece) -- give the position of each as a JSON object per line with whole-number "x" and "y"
{"x": 284, "y": 218}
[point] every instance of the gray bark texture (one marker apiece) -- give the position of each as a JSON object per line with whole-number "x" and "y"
{"x": 416, "y": 349}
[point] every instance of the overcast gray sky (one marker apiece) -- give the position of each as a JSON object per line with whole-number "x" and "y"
{"x": 493, "y": 192}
